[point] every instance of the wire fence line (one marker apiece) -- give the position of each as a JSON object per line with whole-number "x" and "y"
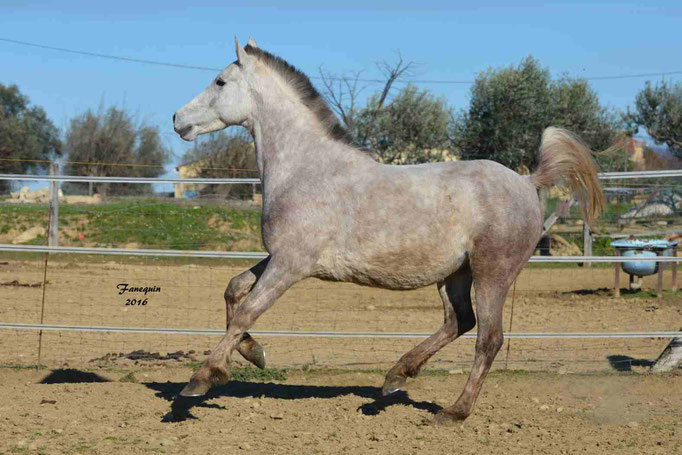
{"x": 213, "y": 69}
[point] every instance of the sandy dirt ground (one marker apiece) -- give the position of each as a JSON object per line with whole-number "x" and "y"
{"x": 545, "y": 300}
{"x": 44, "y": 412}
{"x": 612, "y": 406}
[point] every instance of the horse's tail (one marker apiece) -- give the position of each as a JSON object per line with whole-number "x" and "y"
{"x": 564, "y": 156}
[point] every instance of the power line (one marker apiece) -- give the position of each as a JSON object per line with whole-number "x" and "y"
{"x": 380, "y": 81}
{"x": 111, "y": 57}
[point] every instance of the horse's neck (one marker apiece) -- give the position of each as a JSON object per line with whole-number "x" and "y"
{"x": 287, "y": 142}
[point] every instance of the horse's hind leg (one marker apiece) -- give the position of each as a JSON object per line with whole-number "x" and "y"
{"x": 455, "y": 292}
{"x": 491, "y": 291}
{"x": 237, "y": 289}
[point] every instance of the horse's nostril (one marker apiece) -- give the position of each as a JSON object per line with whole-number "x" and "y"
{"x": 173, "y": 118}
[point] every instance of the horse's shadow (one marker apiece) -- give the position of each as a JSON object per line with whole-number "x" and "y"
{"x": 181, "y": 406}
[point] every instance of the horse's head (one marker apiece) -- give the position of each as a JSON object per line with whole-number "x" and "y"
{"x": 226, "y": 101}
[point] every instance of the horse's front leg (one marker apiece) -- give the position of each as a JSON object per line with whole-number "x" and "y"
{"x": 273, "y": 282}
{"x": 237, "y": 289}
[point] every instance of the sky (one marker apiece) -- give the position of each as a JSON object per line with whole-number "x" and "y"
{"x": 447, "y": 40}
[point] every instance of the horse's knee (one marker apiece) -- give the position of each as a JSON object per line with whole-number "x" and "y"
{"x": 491, "y": 342}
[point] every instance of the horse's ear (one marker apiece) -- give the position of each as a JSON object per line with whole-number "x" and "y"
{"x": 252, "y": 43}
{"x": 241, "y": 54}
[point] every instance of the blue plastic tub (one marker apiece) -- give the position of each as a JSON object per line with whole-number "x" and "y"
{"x": 640, "y": 268}
{"x": 643, "y": 248}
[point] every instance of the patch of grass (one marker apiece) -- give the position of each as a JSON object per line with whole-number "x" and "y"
{"x": 151, "y": 223}
{"x": 130, "y": 377}
{"x": 251, "y": 374}
{"x": 614, "y": 210}
{"x": 512, "y": 373}
{"x": 81, "y": 446}
{"x": 15, "y": 366}
{"x": 650, "y": 294}
{"x": 256, "y": 374}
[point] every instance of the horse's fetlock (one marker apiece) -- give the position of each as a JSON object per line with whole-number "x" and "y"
{"x": 219, "y": 375}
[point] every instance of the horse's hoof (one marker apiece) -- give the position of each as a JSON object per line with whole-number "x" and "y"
{"x": 393, "y": 385}
{"x": 448, "y": 418}
{"x": 256, "y": 355}
{"x": 195, "y": 388}
{"x": 390, "y": 391}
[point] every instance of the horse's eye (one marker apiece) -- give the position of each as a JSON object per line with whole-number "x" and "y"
{"x": 219, "y": 82}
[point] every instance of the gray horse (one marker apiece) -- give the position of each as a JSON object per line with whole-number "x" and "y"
{"x": 331, "y": 212}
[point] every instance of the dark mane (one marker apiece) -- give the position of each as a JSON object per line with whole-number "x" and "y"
{"x": 308, "y": 94}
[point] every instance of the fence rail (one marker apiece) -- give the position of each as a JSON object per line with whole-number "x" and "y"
{"x": 219, "y": 181}
{"x": 53, "y": 248}
{"x": 87, "y": 179}
{"x": 262, "y": 255}
{"x": 328, "y": 334}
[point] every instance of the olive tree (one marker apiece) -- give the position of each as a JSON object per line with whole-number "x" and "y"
{"x": 27, "y": 137}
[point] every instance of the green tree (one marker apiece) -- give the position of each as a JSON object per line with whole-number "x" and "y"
{"x": 510, "y": 107}
{"x": 223, "y": 155}
{"x": 659, "y": 110}
{"x": 27, "y": 136}
{"x": 411, "y": 128}
{"x": 111, "y": 143}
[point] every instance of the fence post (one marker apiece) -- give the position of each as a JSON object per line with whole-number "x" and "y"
{"x": 674, "y": 287}
{"x": 53, "y": 228}
{"x": 616, "y": 279}
{"x": 587, "y": 242}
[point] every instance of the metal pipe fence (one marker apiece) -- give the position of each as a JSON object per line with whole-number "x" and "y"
{"x": 103, "y": 332}
{"x": 231, "y": 181}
